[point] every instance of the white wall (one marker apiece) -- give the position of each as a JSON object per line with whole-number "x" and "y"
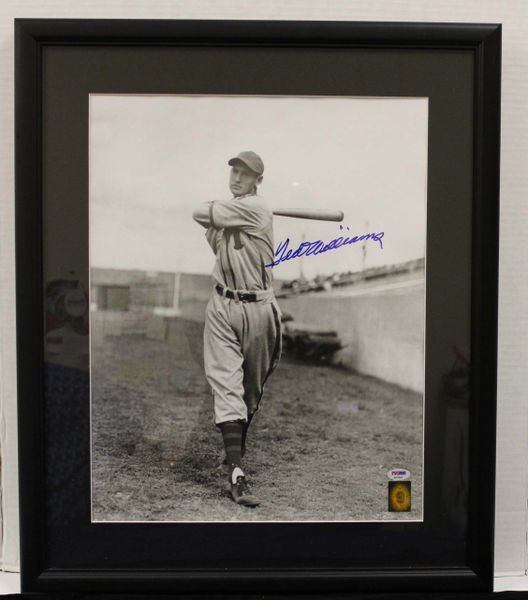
{"x": 382, "y": 330}
{"x": 513, "y": 346}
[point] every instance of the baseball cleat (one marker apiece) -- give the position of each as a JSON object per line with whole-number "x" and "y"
{"x": 240, "y": 491}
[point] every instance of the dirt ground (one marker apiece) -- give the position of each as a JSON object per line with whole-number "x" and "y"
{"x": 318, "y": 449}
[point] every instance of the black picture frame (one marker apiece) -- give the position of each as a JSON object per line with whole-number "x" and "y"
{"x": 460, "y": 563}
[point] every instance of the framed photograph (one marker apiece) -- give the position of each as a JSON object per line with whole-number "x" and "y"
{"x": 257, "y": 302}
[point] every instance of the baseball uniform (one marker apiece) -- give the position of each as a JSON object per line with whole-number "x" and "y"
{"x": 242, "y": 336}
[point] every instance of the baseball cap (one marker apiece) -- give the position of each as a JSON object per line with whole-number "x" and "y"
{"x": 250, "y": 159}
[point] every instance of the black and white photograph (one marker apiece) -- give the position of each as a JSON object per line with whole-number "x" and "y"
{"x": 257, "y": 307}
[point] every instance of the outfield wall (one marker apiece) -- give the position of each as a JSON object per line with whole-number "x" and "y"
{"x": 383, "y": 328}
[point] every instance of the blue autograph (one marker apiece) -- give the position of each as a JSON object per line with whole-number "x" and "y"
{"x": 283, "y": 254}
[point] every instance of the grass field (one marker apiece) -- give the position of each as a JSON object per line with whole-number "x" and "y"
{"x": 318, "y": 449}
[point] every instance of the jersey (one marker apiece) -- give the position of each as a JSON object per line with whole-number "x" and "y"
{"x": 240, "y": 233}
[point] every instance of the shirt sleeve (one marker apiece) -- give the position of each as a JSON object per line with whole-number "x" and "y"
{"x": 211, "y": 235}
{"x": 202, "y": 214}
{"x": 248, "y": 214}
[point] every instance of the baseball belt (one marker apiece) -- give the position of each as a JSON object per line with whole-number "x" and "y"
{"x": 243, "y": 296}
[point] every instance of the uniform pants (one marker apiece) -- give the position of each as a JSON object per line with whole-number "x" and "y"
{"x": 242, "y": 346}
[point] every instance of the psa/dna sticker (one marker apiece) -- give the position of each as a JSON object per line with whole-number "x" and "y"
{"x": 398, "y": 474}
{"x": 399, "y": 490}
{"x": 399, "y": 496}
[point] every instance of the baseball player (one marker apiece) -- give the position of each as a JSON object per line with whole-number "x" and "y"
{"x": 242, "y": 336}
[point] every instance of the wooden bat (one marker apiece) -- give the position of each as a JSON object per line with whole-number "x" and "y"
{"x": 319, "y": 214}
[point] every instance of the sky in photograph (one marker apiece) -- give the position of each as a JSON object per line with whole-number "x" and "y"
{"x": 154, "y": 158}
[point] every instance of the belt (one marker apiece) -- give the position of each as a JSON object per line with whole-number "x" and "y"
{"x": 236, "y": 295}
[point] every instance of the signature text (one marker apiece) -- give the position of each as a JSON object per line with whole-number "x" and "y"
{"x": 284, "y": 252}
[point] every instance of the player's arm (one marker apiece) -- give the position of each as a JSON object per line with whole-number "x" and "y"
{"x": 248, "y": 214}
{"x": 202, "y": 215}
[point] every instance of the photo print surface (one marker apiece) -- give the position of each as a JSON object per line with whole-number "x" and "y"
{"x": 257, "y": 307}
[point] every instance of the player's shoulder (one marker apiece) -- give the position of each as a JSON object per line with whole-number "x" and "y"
{"x": 259, "y": 202}
{"x": 255, "y": 208}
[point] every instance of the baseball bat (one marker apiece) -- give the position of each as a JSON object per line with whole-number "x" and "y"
{"x": 319, "y": 214}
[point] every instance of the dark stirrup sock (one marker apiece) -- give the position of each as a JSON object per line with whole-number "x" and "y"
{"x": 232, "y": 436}
{"x": 244, "y": 432}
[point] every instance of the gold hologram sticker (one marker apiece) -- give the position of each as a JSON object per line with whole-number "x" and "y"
{"x": 399, "y": 496}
